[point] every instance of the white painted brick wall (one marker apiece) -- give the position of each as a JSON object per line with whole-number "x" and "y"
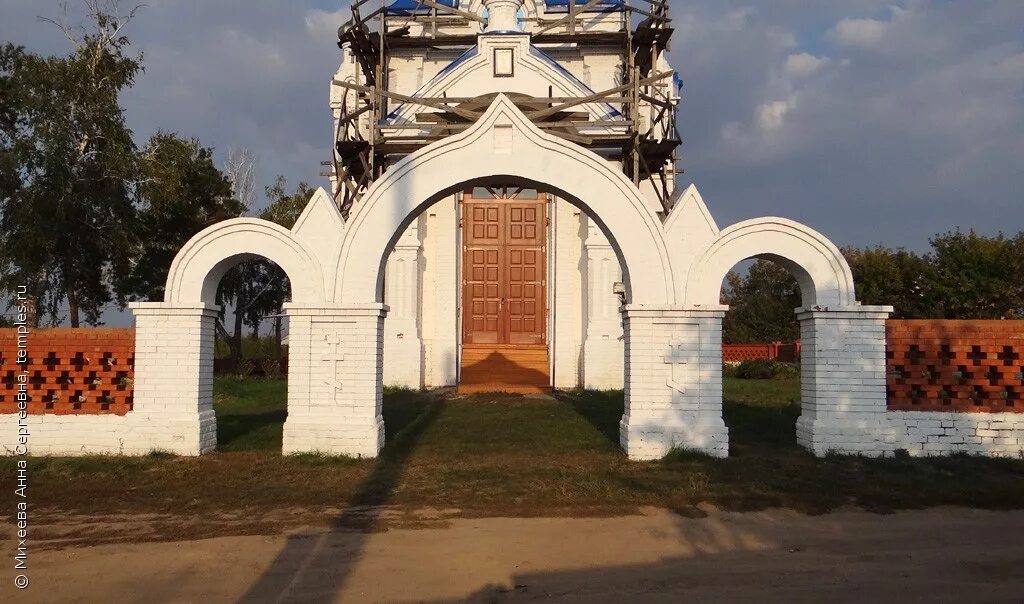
{"x": 673, "y": 385}
{"x": 342, "y": 374}
{"x": 842, "y": 382}
{"x": 923, "y": 433}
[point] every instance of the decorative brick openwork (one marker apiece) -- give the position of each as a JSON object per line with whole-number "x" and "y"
{"x": 770, "y": 351}
{"x": 71, "y": 371}
{"x": 965, "y": 366}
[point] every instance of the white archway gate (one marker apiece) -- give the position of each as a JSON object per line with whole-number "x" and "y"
{"x": 672, "y": 268}
{"x": 842, "y": 362}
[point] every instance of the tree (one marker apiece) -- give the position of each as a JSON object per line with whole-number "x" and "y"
{"x": 284, "y": 209}
{"x": 762, "y": 304}
{"x": 258, "y": 288}
{"x": 181, "y": 192}
{"x": 68, "y": 220}
{"x": 978, "y": 277}
{"x": 902, "y": 279}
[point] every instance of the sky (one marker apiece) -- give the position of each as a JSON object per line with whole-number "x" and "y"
{"x": 871, "y": 121}
{"x": 875, "y": 122}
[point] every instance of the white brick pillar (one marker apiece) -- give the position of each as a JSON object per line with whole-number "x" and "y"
{"x": 673, "y": 381}
{"x": 403, "y": 347}
{"x": 602, "y": 344}
{"x": 335, "y": 369}
{"x": 173, "y": 389}
{"x": 842, "y": 381}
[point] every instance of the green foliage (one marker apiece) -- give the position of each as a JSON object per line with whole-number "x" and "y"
{"x": 261, "y": 347}
{"x": 761, "y": 305}
{"x": 765, "y": 370}
{"x": 181, "y": 192}
{"x": 979, "y": 277}
{"x": 898, "y": 278}
{"x": 966, "y": 276}
{"x": 67, "y": 170}
{"x": 285, "y": 208}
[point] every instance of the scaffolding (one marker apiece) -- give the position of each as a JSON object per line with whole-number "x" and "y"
{"x": 642, "y": 134}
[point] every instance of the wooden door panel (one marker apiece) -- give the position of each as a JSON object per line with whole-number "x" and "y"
{"x": 504, "y": 266}
{"x": 526, "y": 265}
{"x": 482, "y": 293}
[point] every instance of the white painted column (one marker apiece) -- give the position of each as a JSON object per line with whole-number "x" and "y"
{"x": 564, "y": 285}
{"x": 602, "y": 345}
{"x": 441, "y": 294}
{"x": 335, "y": 359}
{"x": 842, "y": 381}
{"x": 403, "y": 348}
{"x": 173, "y": 399}
{"x": 673, "y": 386}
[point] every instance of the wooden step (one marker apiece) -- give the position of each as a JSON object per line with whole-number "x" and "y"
{"x": 505, "y": 368}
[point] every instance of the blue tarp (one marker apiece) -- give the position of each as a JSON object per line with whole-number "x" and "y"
{"x": 605, "y": 6}
{"x": 410, "y": 7}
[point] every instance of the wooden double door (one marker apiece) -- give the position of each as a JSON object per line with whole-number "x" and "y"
{"x": 504, "y": 266}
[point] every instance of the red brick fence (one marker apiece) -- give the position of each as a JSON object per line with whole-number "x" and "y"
{"x": 771, "y": 351}
{"x": 964, "y": 366}
{"x": 71, "y": 371}
{"x": 952, "y": 366}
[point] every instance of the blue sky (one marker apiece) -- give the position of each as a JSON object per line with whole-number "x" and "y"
{"x": 872, "y": 121}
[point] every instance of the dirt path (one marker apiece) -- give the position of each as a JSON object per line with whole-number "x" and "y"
{"x": 943, "y": 555}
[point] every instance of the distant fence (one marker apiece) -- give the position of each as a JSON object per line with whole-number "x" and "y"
{"x": 771, "y": 351}
{"x": 964, "y": 366}
{"x": 70, "y": 371}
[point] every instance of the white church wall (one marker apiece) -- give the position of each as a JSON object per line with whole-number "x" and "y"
{"x": 403, "y": 345}
{"x": 440, "y": 294}
{"x": 564, "y": 292}
{"x": 603, "y": 347}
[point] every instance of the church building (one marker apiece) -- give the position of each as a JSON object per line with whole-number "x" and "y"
{"x": 505, "y": 287}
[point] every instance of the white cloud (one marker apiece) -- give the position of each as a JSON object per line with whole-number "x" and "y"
{"x": 324, "y": 24}
{"x": 866, "y": 33}
{"x": 803, "y": 64}
{"x": 770, "y": 116}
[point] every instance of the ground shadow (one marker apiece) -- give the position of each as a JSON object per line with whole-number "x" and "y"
{"x": 758, "y": 427}
{"x": 314, "y": 566}
{"x": 601, "y": 408}
{"x": 234, "y": 427}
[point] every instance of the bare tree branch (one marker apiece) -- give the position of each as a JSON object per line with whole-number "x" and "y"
{"x": 240, "y": 167}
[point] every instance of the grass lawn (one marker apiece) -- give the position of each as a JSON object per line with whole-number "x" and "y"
{"x": 508, "y": 455}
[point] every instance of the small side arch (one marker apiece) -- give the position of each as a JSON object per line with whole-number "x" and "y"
{"x": 203, "y": 261}
{"x": 816, "y": 263}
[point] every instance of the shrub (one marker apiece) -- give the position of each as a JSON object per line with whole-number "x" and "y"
{"x": 766, "y": 370}
{"x": 755, "y": 370}
{"x": 785, "y": 371}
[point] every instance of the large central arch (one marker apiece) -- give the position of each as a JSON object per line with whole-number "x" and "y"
{"x": 483, "y": 153}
